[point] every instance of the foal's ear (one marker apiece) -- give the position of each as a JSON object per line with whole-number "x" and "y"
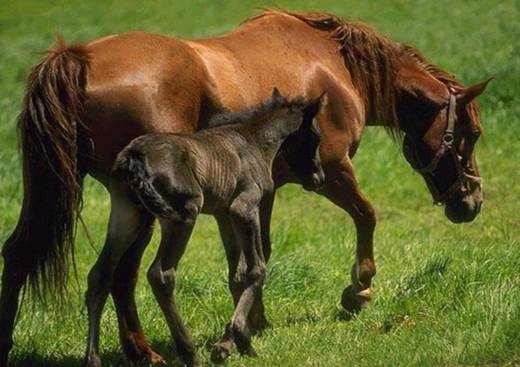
{"x": 312, "y": 111}
{"x": 315, "y": 106}
{"x": 276, "y": 94}
{"x": 466, "y": 95}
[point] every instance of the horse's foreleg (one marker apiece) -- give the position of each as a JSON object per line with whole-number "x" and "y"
{"x": 342, "y": 188}
{"x": 122, "y": 233}
{"x": 133, "y": 340}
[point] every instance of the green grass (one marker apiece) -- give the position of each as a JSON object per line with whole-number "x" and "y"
{"x": 445, "y": 294}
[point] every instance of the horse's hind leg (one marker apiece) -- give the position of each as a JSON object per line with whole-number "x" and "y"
{"x": 13, "y": 278}
{"x": 342, "y": 189}
{"x": 123, "y": 230}
{"x": 162, "y": 277}
{"x": 133, "y": 341}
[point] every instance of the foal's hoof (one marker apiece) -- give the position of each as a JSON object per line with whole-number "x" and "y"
{"x": 353, "y": 302}
{"x": 258, "y": 324}
{"x": 220, "y": 353}
{"x": 249, "y": 352}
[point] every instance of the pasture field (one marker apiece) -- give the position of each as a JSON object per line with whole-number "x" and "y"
{"x": 445, "y": 294}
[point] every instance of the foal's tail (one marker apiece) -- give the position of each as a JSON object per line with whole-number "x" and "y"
{"x": 49, "y": 126}
{"x": 132, "y": 168}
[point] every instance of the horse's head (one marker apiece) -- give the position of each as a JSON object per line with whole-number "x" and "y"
{"x": 441, "y": 126}
{"x": 300, "y": 150}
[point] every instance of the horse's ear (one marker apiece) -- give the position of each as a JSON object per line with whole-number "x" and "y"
{"x": 467, "y": 95}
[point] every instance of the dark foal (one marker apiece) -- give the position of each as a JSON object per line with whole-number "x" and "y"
{"x": 226, "y": 171}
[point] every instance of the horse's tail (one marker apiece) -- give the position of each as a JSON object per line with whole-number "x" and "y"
{"x": 132, "y": 168}
{"x": 49, "y": 129}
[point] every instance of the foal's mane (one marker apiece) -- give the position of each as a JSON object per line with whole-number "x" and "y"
{"x": 372, "y": 60}
{"x": 255, "y": 112}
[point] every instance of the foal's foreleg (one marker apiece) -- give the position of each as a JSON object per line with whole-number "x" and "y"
{"x": 246, "y": 227}
{"x": 162, "y": 278}
{"x": 237, "y": 266}
{"x": 341, "y": 188}
{"x": 133, "y": 341}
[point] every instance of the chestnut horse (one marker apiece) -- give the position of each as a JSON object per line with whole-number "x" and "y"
{"x": 84, "y": 103}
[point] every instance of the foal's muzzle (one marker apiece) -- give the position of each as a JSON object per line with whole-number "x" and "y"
{"x": 314, "y": 182}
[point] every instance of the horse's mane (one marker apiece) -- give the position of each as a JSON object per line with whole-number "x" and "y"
{"x": 372, "y": 60}
{"x": 260, "y": 110}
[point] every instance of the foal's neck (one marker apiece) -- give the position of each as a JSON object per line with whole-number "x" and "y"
{"x": 270, "y": 133}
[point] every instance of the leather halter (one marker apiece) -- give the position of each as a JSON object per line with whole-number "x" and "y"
{"x": 464, "y": 179}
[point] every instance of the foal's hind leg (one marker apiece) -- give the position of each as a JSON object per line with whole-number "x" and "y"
{"x": 162, "y": 277}
{"x": 342, "y": 189}
{"x": 133, "y": 341}
{"x": 123, "y": 230}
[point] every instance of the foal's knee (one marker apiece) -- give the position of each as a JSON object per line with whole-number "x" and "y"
{"x": 161, "y": 281}
{"x": 257, "y": 275}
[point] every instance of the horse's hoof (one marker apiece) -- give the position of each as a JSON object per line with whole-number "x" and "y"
{"x": 148, "y": 357}
{"x": 219, "y": 354}
{"x": 156, "y": 359}
{"x": 353, "y": 302}
{"x": 92, "y": 360}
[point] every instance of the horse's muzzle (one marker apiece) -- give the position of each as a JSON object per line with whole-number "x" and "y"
{"x": 461, "y": 209}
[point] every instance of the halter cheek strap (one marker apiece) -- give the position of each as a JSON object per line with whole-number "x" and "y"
{"x": 463, "y": 178}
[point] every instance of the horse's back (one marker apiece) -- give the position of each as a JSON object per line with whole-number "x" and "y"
{"x": 139, "y": 83}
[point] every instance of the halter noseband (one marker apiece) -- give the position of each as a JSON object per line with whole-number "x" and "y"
{"x": 463, "y": 178}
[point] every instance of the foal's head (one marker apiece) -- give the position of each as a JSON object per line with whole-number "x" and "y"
{"x": 291, "y": 123}
{"x": 300, "y": 150}
{"x": 442, "y": 125}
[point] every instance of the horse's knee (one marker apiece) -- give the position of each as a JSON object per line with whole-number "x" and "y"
{"x": 366, "y": 219}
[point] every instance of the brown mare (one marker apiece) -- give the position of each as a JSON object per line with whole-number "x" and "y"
{"x": 84, "y": 103}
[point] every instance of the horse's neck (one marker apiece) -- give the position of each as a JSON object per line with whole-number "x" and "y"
{"x": 414, "y": 88}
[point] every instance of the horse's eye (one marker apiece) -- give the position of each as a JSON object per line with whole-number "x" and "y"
{"x": 475, "y": 135}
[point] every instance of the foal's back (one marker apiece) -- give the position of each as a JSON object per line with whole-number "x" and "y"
{"x": 201, "y": 170}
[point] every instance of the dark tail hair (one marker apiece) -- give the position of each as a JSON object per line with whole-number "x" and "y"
{"x": 43, "y": 240}
{"x": 132, "y": 167}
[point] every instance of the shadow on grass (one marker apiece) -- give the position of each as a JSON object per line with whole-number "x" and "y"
{"x": 108, "y": 358}
{"x": 34, "y": 359}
